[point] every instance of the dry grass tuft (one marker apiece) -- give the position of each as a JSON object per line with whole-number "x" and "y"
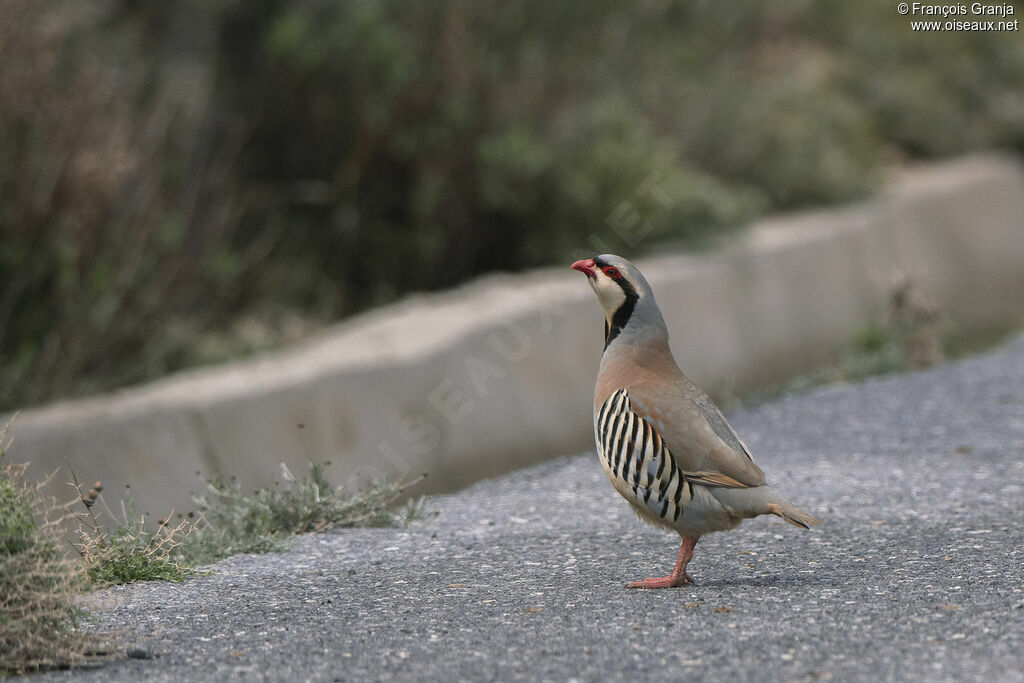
{"x": 131, "y": 552}
{"x": 232, "y": 521}
{"x": 38, "y": 583}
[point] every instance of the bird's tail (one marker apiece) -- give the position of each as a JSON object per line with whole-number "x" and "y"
{"x": 792, "y": 514}
{"x": 763, "y": 500}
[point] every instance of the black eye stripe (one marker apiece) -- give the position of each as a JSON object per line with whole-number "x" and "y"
{"x": 602, "y": 264}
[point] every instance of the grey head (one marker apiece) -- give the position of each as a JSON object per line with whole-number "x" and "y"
{"x": 631, "y": 314}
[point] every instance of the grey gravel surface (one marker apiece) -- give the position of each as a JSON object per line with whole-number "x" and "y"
{"x": 915, "y": 573}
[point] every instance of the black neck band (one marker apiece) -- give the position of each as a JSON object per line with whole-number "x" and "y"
{"x": 621, "y": 317}
{"x": 624, "y": 312}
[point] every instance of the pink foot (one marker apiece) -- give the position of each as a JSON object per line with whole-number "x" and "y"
{"x": 678, "y": 576}
{"x": 670, "y": 581}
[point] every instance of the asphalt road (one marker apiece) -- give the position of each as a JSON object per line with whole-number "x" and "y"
{"x": 915, "y": 574}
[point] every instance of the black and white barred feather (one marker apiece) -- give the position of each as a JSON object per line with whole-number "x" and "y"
{"x": 638, "y": 461}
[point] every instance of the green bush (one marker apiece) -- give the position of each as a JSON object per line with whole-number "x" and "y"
{"x": 186, "y": 182}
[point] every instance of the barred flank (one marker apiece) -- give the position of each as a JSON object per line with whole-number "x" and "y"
{"x": 636, "y": 456}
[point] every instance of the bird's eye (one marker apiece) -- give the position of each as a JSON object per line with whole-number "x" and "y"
{"x": 611, "y": 271}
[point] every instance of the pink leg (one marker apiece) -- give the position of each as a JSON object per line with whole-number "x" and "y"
{"x": 678, "y": 576}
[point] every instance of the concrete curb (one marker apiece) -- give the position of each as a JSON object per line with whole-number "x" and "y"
{"x": 498, "y": 374}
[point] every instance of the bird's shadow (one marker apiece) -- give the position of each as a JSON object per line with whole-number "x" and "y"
{"x": 765, "y": 581}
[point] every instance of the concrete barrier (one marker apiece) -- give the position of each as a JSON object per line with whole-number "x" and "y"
{"x": 499, "y": 373}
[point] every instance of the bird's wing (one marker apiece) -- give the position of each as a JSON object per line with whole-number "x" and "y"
{"x": 642, "y": 466}
{"x": 701, "y": 442}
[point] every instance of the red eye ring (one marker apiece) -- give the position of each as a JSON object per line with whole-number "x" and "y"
{"x": 611, "y": 271}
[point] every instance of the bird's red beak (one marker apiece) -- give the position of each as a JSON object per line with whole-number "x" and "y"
{"x": 586, "y": 266}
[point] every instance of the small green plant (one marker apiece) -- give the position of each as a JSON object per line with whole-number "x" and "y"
{"x": 906, "y": 336}
{"x": 131, "y": 552}
{"x": 38, "y": 583}
{"x": 232, "y": 521}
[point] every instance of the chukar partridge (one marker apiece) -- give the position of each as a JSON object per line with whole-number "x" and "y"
{"x": 666, "y": 448}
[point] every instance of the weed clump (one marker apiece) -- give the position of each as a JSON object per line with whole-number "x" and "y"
{"x": 131, "y": 552}
{"x": 233, "y": 521}
{"x": 38, "y": 583}
{"x": 230, "y": 521}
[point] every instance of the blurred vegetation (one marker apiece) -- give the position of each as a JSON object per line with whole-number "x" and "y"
{"x": 185, "y": 182}
{"x": 910, "y": 334}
